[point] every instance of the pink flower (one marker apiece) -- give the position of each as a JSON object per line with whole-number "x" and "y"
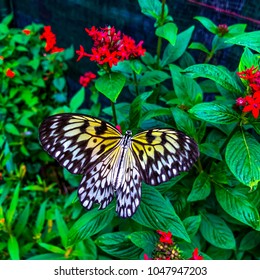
{"x": 86, "y": 78}
{"x": 195, "y": 255}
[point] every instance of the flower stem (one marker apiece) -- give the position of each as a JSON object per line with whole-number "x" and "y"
{"x": 114, "y": 112}
{"x": 159, "y": 42}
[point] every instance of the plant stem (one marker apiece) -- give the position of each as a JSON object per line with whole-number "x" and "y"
{"x": 136, "y": 83}
{"x": 114, "y": 112}
{"x": 159, "y": 43}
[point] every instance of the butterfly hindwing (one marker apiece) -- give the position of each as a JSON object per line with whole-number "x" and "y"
{"x": 163, "y": 153}
{"x": 77, "y": 141}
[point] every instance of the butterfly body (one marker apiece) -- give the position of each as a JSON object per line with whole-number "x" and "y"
{"x": 114, "y": 164}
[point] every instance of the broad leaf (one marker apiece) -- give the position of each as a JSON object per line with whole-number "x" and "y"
{"x": 243, "y": 158}
{"x": 238, "y": 206}
{"x": 168, "y": 31}
{"x": 215, "y": 231}
{"x": 77, "y": 100}
{"x": 201, "y": 188}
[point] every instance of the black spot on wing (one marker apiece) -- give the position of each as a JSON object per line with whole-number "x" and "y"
{"x": 149, "y": 137}
{"x": 101, "y": 129}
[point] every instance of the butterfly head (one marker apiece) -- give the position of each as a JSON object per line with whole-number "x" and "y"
{"x": 128, "y": 133}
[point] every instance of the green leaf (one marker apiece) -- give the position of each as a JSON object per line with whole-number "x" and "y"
{"x": 152, "y": 78}
{"x": 168, "y": 31}
{"x": 248, "y": 39}
{"x": 219, "y": 74}
{"x": 59, "y": 83}
{"x": 192, "y": 224}
{"x": 187, "y": 90}
{"x": 111, "y": 85}
{"x": 11, "y": 211}
{"x": 13, "y": 248}
{"x": 243, "y": 157}
{"x": 208, "y": 24}
{"x": 62, "y": 228}
{"x": 199, "y": 46}
{"x": 8, "y": 19}
{"x": 49, "y": 256}
{"x": 250, "y": 241}
{"x": 152, "y": 8}
{"x": 77, "y": 100}
{"x": 144, "y": 239}
{"x": 159, "y": 214}
{"x": 172, "y": 53}
{"x": 118, "y": 245}
{"x": 215, "y": 231}
{"x": 90, "y": 223}
{"x": 211, "y": 150}
{"x": 40, "y": 218}
{"x": 183, "y": 121}
{"x": 22, "y": 221}
{"x": 201, "y": 188}
{"x": 52, "y": 248}
{"x": 238, "y": 206}
{"x": 11, "y": 128}
{"x": 136, "y": 109}
{"x": 214, "y": 113}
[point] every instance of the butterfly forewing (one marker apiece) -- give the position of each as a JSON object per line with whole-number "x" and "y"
{"x": 163, "y": 153}
{"x": 77, "y": 142}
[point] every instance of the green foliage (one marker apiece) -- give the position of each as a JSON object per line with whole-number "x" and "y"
{"x": 214, "y": 207}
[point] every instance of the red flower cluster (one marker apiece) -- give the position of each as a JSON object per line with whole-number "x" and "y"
{"x": 27, "y": 32}
{"x": 86, "y": 78}
{"x": 9, "y": 73}
{"x": 50, "y": 39}
{"x": 111, "y": 46}
{"x": 251, "y": 102}
{"x": 195, "y": 255}
{"x": 166, "y": 237}
{"x": 222, "y": 29}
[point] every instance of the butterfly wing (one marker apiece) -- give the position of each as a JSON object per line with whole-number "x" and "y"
{"x": 78, "y": 141}
{"x": 128, "y": 191}
{"x": 163, "y": 153}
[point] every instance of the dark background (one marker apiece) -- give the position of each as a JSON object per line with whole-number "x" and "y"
{"x": 69, "y": 18}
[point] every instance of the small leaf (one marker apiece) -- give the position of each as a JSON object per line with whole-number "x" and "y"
{"x": 208, "y": 24}
{"x": 62, "y": 228}
{"x": 152, "y": 78}
{"x": 118, "y": 245}
{"x": 159, "y": 214}
{"x": 59, "y": 83}
{"x": 211, "y": 150}
{"x": 238, "y": 206}
{"x": 214, "y": 113}
{"x": 172, "y": 53}
{"x": 77, "y": 100}
{"x": 40, "y": 218}
{"x": 12, "y": 129}
{"x": 199, "y": 46}
{"x": 168, "y": 31}
{"x": 13, "y": 248}
{"x": 219, "y": 74}
{"x": 243, "y": 157}
{"x": 111, "y": 85}
{"x": 201, "y": 188}
{"x": 144, "y": 239}
{"x": 250, "y": 241}
{"x": 248, "y": 39}
{"x": 215, "y": 231}
{"x": 192, "y": 224}
{"x": 90, "y": 223}
{"x": 11, "y": 211}
{"x": 22, "y": 221}
{"x": 52, "y": 248}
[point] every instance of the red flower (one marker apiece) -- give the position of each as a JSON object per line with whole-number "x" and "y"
{"x": 241, "y": 101}
{"x": 253, "y": 105}
{"x": 249, "y": 74}
{"x": 110, "y": 46}
{"x": 118, "y": 127}
{"x": 50, "y": 39}
{"x": 9, "y": 73}
{"x": 86, "y": 78}
{"x": 81, "y": 53}
{"x": 166, "y": 237}
{"x": 146, "y": 257}
{"x": 195, "y": 255}
{"x": 27, "y": 31}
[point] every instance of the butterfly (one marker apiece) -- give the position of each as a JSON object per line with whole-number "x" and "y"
{"x": 112, "y": 163}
